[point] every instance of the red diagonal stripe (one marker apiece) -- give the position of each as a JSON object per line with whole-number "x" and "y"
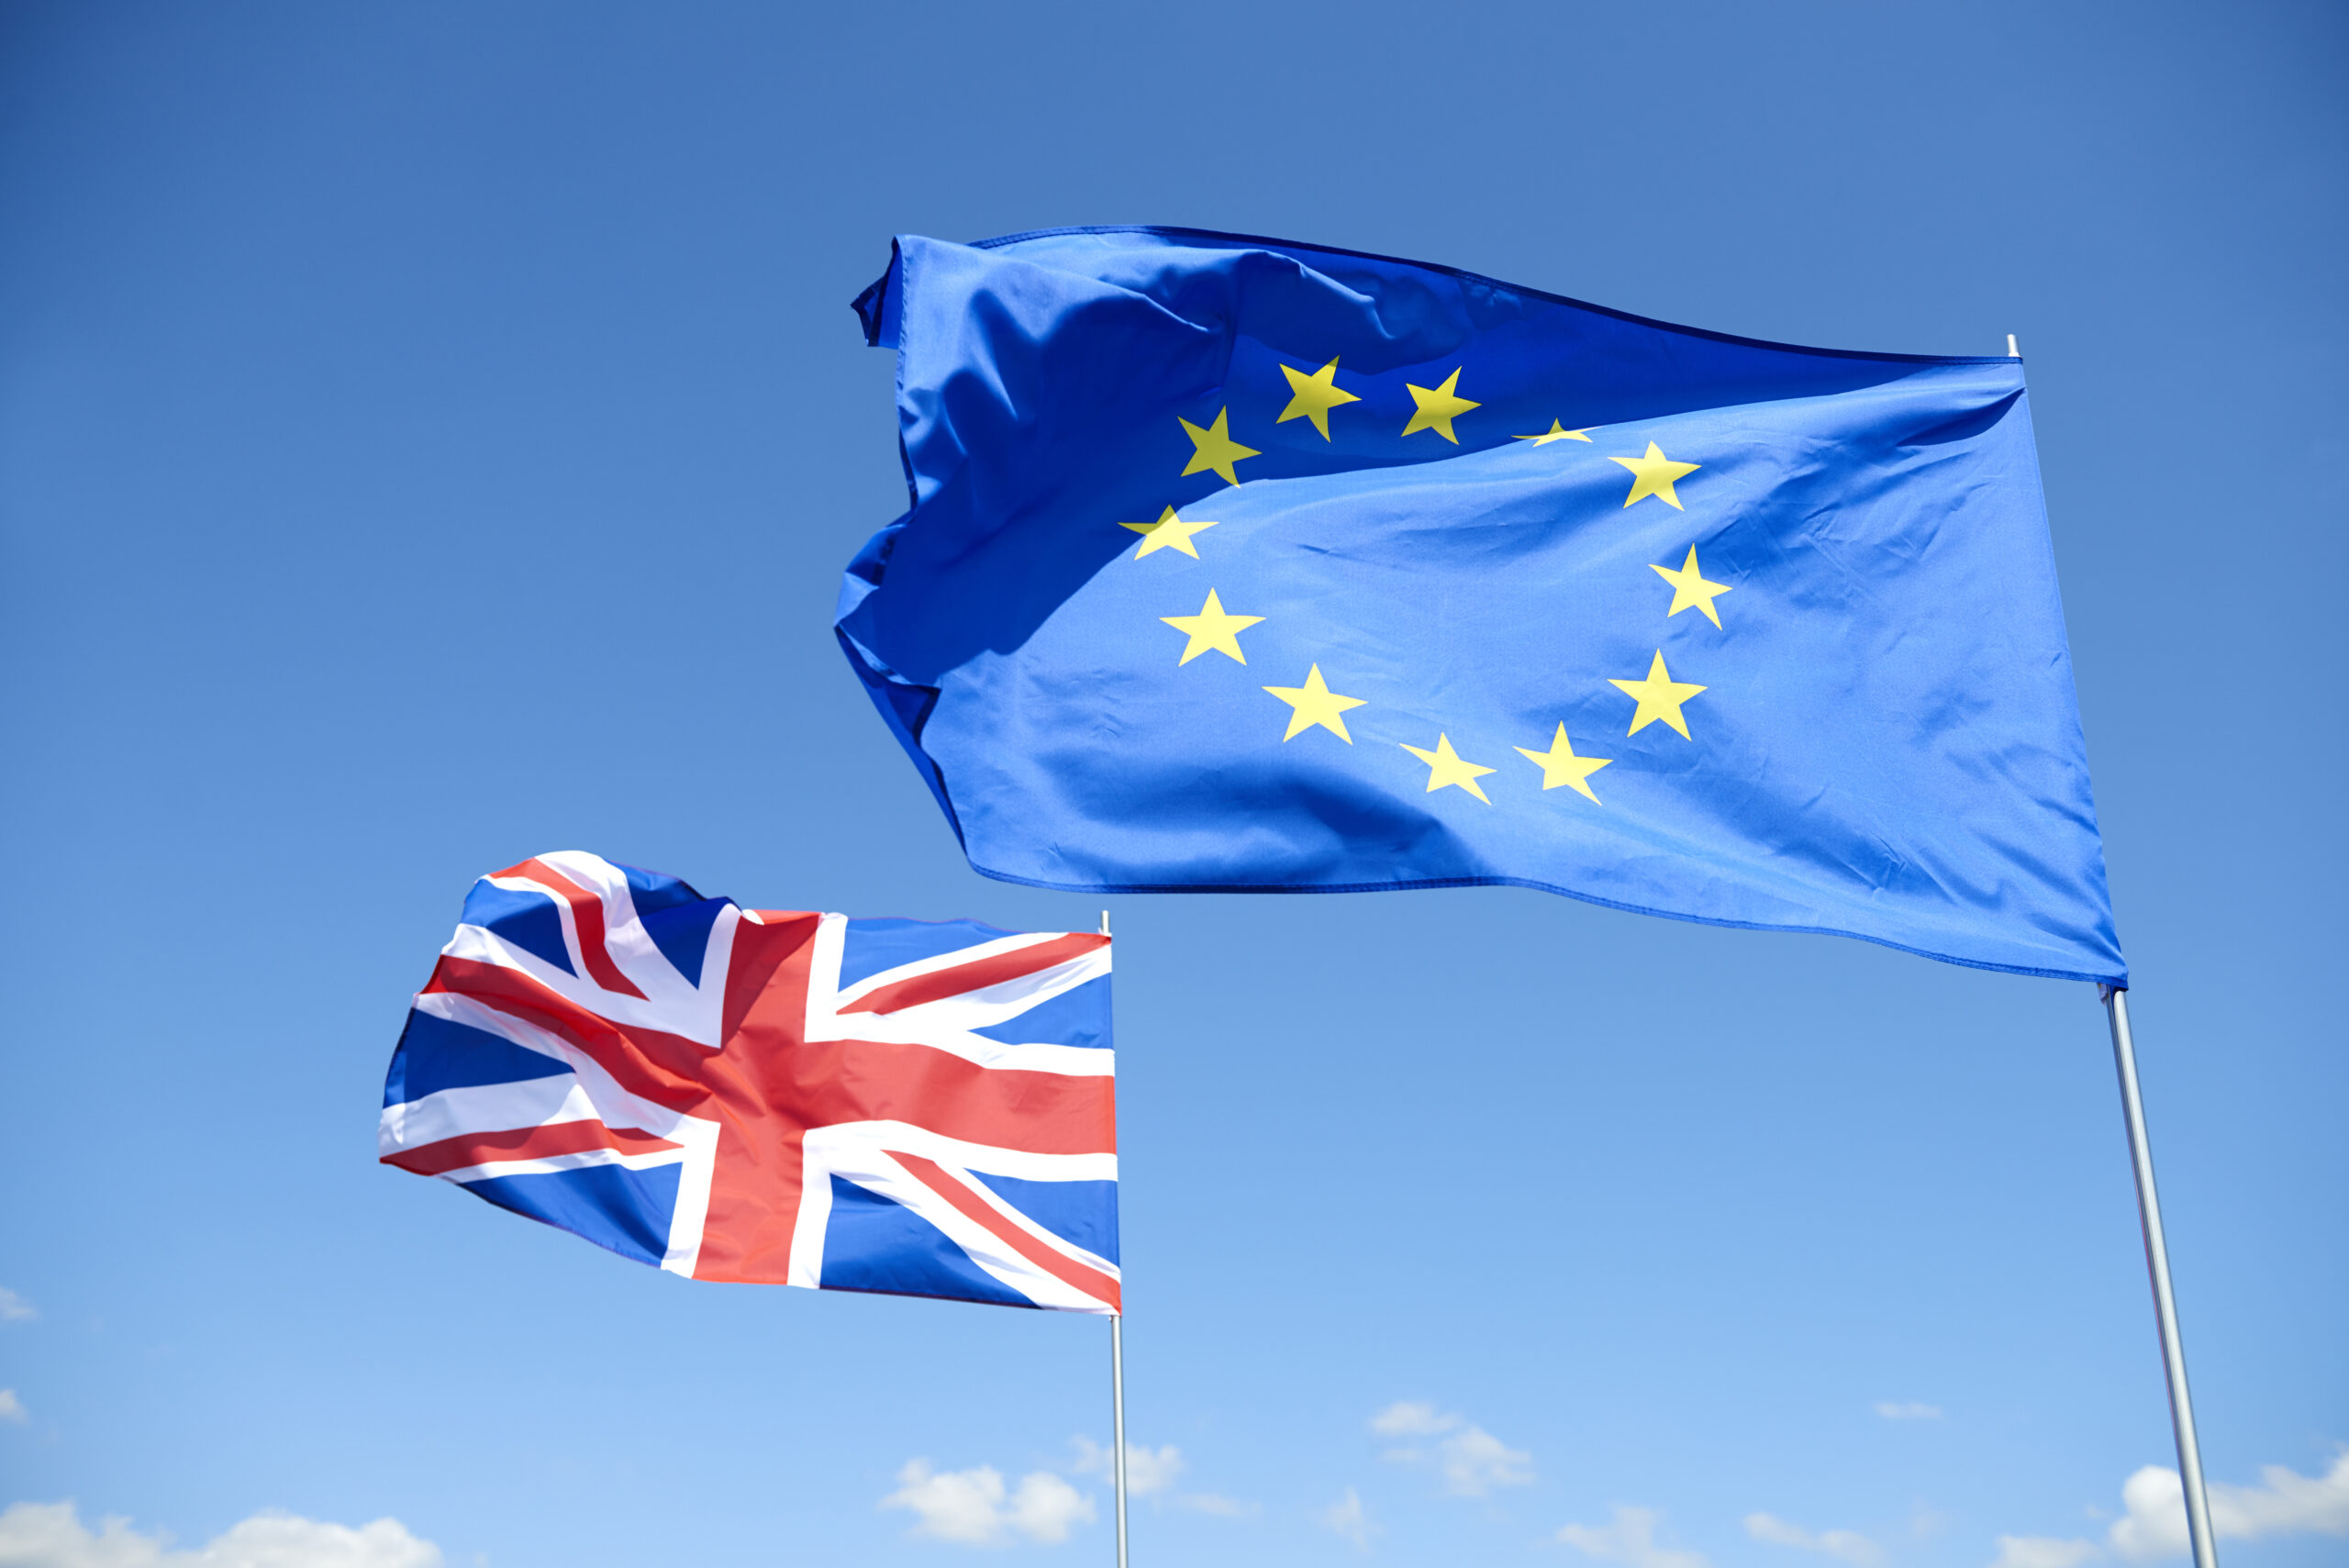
{"x": 586, "y": 917}
{"x": 975, "y": 976}
{"x": 664, "y": 1068}
{"x": 524, "y": 1143}
{"x": 1061, "y": 1266}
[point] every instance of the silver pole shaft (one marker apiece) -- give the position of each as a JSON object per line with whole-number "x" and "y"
{"x": 1117, "y": 1393}
{"x": 1118, "y": 1423}
{"x": 2149, "y": 1216}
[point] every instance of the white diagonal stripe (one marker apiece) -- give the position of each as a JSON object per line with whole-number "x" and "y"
{"x": 872, "y": 1167}
{"x": 549, "y": 1164}
{"x": 1002, "y": 1002}
{"x": 958, "y": 957}
{"x": 484, "y": 1107}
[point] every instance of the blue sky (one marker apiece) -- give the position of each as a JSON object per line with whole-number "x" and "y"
{"x": 430, "y": 435}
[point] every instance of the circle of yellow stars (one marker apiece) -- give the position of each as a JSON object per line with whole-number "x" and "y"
{"x": 1314, "y": 395}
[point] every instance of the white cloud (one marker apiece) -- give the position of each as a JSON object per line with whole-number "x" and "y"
{"x": 1843, "y": 1545}
{"x": 2283, "y": 1503}
{"x": 1629, "y": 1538}
{"x": 2153, "y": 1525}
{"x": 1345, "y": 1517}
{"x": 2042, "y": 1551}
{"x": 1046, "y": 1507}
{"x": 1472, "y": 1460}
{"x": 15, "y": 1309}
{"x": 1906, "y": 1411}
{"x": 52, "y": 1535}
{"x": 1409, "y": 1419}
{"x": 975, "y": 1507}
{"x": 1147, "y": 1470}
{"x": 12, "y": 1409}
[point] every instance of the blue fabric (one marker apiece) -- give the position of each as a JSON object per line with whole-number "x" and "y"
{"x": 651, "y": 891}
{"x": 1077, "y": 1017}
{"x": 677, "y": 919}
{"x": 434, "y": 1054}
{"x": 1084, "y": 1212}
{"x": 875, "y": 1244}
{"x": 876, "y": 944}
{"x": 681, "y": 933}
{"x": 1887, "y": 745}
{"x": 529, "y": 920}
{"x": 626, "y": 1211}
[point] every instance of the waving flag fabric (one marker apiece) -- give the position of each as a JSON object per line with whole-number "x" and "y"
{"x": 878, "y": 1105}
{"x": 1234, "y": 564}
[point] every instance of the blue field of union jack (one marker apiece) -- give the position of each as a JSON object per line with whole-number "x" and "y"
{"x": 922, "y": 1108}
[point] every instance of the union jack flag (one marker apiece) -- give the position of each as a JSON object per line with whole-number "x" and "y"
{"x": 901, "y": 1105}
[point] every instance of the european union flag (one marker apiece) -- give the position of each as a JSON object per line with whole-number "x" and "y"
{"x": 1236, "y": 565}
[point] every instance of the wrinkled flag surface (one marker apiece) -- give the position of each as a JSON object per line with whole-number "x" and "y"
{"x": 1232, "y": 564}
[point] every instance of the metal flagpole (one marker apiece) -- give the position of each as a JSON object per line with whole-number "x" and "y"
{"x": 2149, "y": 1216}
{"x": 2149, "y": 1221}
{"x": 1118, "y": 1421}
{"x": 1117, "y": 1393}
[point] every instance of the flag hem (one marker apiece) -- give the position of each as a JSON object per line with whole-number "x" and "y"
{"x": 1464, "y": 274}
{"x": 2120, "y": 982}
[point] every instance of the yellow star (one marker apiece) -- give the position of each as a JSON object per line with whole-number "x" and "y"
{"x": 1556, "y": 432}
{"x": 1213, "y": 447}
{"x": 1690, "y": 591}
{"x": 1559, "y": 765}
{"x": 1312, "y": 396}
{"x": 1169, "y": 531}
{"x": 1211, "y": 628}
{"x": 1444, "y": 767}
{"x": 1653, "y": 474}
{"x": 1660, "y": 697}
{"x": 1438, "y": 408}
{"x": 1314, "y": 702}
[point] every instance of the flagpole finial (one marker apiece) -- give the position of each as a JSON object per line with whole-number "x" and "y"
{"x": 1105, "y": 922}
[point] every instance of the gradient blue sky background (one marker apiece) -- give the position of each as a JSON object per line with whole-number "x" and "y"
{"x": 430, "y": 434}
